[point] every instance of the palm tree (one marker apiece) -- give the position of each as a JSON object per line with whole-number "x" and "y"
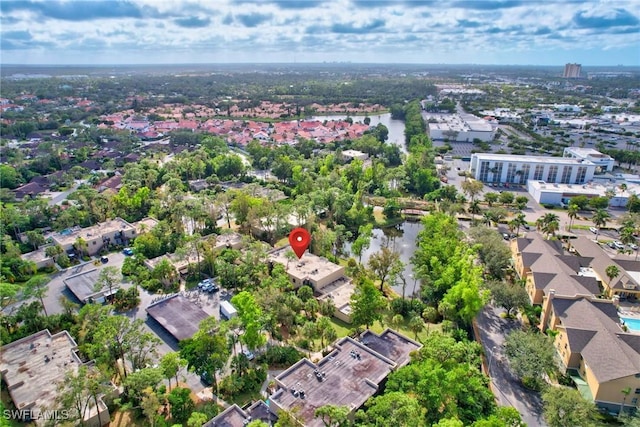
{"x": 550, "y": 228}
{"x": 612, "y": 272}
{"x": 625, "y": 391}
{"x": 572, "y": 213}
{"x": 599, "y": 219}
{"x": 518, "y": 222}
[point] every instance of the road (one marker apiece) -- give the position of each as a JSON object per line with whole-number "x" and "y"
{"x": 506, "y": 387}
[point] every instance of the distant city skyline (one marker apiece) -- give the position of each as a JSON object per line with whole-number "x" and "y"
{"x": 500, "y": 32}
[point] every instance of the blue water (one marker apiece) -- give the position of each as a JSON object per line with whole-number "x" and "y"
{"x": 66, "y": 232}
{"x": 632, "y": 324}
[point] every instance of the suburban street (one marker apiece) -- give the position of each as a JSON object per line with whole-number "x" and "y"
{"x": 506, "y": 387}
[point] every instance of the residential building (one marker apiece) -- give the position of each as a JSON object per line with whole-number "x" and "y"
{"x": 604, "y": 161}
{"x": 348, "y": 376}
{"x": 354, "y": 154}
{"x": 558, "y": 194}
{"x": 178, "y": 315}
{"x": 626, "y": 285}
{"x": 572, "y": 71}
{"x": 593, "y": 349}
{"x": 544, "y": 266}
{"x": 83, "y": 287}
{"x": 515, "y": 169}
{"x": 113, "y": 232}
{"x": 310, "y": 269}
{"x": 236, "y": 416}
{"x": 34, "y": 367}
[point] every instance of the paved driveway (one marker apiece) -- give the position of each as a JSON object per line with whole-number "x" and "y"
{"x": 506, "y": 387}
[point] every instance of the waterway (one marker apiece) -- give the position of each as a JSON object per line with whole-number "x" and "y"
{"x": 402, "y": 239}
{"x": 396, "y": 127}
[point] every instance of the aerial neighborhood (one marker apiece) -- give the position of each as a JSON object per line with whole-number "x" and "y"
{"x": 472, "y": 257}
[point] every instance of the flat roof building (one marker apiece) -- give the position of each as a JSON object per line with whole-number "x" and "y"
{"x": 310, "y": 269}
{"x": 558, "y": 194}
{"x": 515, "y": 169}
{"x": 354, "y": 154}
{"x": 113, "y": 232}
{"x": 348, "y": 376}
{"x": 604, "y": 161}
{"x": 34, "y": 367}
{"x": 178, "y": 315}
{"x": 83, "y": 286}
{"x": 460, "y": 128}
{"x": 235, "y": 416}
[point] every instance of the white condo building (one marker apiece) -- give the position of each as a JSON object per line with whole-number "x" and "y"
{"x": 604, "y": 161}
{"x": 515, "y": 169}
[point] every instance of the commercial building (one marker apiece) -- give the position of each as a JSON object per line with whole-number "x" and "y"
{"x": 515, "y": 169}
{"x": 113, "y": 232}
{"x": 33, "y": 369}
{"x": 460, "y": 128}
{"x": 558, "y": 194}
{"x": 348, "y": 376}
{"x": 572, "y": 71}
{"x": 604, "y": 161}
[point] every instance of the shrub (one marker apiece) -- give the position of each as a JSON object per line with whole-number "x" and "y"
{"x": 279, "y": 356}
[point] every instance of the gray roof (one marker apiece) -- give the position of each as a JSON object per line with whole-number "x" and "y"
{"x": 600, "y": 261}
{"x": 608, "y": 352}
{"x": 179, "y": 316}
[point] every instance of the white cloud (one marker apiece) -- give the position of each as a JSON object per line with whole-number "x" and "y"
{"x": 598, "y": 32}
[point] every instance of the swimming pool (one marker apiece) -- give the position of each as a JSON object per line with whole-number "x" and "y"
{"x": 632, "y": 323}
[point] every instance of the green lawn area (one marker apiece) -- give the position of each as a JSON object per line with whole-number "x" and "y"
{"x": 343, "y": 329}
{"x": 243, "y": 398}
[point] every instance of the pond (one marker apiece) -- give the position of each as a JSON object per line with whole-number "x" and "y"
{"x": 402, "y": 239}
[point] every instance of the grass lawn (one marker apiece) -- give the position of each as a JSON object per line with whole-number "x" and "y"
{"x": 244, "y": 398}
{"x": 343, "y": 329}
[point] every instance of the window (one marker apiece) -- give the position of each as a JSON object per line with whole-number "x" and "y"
{"x": 566, "y": 174}
{"x": 484, "y": 171}
{"x": 638, "y": 391}
{"x": 497, "y": 171}
{"x": 553, "y": 174}
{"x": 537, "y": 175}
{"x": 582, "y": 174}
{"x": 511, "y": 172}
{"x": 524, "y": 174}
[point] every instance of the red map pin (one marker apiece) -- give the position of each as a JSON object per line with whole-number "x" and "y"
{"x": 299, "y": 239}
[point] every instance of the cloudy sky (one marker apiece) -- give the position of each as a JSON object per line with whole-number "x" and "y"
{"x": 537, "y": 32}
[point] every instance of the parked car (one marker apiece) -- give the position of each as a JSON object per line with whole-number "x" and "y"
{"x": 505, "y": 236}
{"x": 618, "y": 245}
{"x": 127, "y": 251}
{"x": 633, "y": 246}
{"x": 249, "y": 355}
{"x": 593, "y": 230}
{"x": 526, "y": 226}
{"x": 104, "y": 259}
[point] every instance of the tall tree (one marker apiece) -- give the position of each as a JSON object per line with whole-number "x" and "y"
{"x": 37, "y": 287}
{"x": 572, "y": 213}
{"x": 367, "y": 304}
{"x": 332, "y": 415}
{"x": 531, "y": 356}
{"x": 392, "y": 409}
{"x": 565, "y": 407}
{"x": 612, "y": 271}
{"x": 599, "y": 219}
{"x": 108, "y": 278}
{"x": 252, "y": 319}
{"x": 207, "y": 352}
{"x": 386, "y": 264}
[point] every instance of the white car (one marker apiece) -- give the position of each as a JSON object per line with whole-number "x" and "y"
{"x": 633, "y": 246}
{"x": 593, "y": 230}
{"x": 618, "y": 245}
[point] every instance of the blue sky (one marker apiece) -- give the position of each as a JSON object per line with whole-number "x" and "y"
{"x": 540, "y": 32}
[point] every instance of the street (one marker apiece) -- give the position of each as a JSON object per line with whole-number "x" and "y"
{"x": 505, "y": 386}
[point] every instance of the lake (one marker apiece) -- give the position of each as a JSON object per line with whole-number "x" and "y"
{"x": 402, "y": 240}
